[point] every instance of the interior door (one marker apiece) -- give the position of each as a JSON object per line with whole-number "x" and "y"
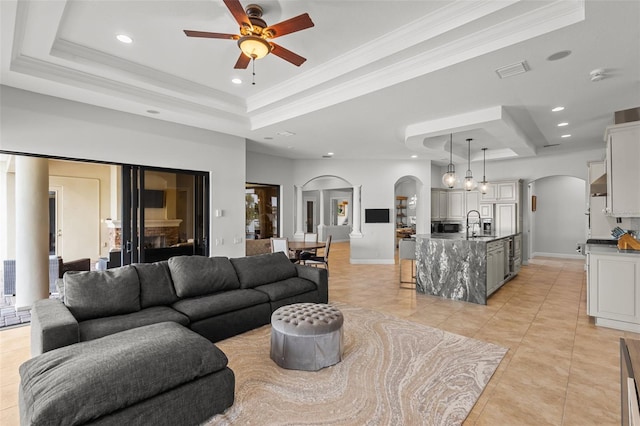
{"x": 77, "y": 217}
{"x": 309, "y": 221}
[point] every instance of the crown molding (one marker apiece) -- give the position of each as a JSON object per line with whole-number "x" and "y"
{"x": 534, "y": 23}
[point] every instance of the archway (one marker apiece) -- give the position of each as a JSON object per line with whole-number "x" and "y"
{"x": 557, "y": 221}
{"x": 407, "y": 211}
{"x": 326, "y": 207}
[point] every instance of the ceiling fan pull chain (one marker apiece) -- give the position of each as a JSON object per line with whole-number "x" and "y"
{"x": 253, "y": 71}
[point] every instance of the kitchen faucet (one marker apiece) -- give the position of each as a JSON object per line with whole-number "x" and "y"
{"x": 479, "y": 221}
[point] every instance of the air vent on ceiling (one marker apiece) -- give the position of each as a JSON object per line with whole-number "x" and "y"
{"x": 550, "y": 145}
{"x": 327, "y": 156}
{"x": 513, "y": 69}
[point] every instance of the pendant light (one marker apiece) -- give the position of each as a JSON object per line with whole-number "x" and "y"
{"x": 449, "y": 178}
{"x": 469, "y": 182}
{"x": 484, "y": 185}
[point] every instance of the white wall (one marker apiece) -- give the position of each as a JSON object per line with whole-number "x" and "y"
{"x": 38, "y": 124}
{"x": 268, "y": 169}
{"x": 377, "y": 180}
{"x": 559, "y": 220}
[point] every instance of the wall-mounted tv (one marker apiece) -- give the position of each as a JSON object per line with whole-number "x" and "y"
{"x": 153, "y": 198}
{"x": 376, "y": 215}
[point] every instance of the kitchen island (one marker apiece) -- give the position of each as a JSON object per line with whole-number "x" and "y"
{"x": 463, "y": 268}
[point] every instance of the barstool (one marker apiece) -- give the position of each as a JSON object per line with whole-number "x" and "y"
{"x": 407, "y": 251}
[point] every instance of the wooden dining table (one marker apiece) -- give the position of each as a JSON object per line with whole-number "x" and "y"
{"x": 300, "y": 246}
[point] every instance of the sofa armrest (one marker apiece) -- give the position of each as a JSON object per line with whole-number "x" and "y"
{"x": 319, "y": 276}
{"x": 52, "y": 326}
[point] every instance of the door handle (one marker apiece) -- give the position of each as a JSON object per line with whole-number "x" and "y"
{"x": 129, "y": 247}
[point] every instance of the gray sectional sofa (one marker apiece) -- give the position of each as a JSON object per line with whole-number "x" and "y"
{"x": 216, "y": 297}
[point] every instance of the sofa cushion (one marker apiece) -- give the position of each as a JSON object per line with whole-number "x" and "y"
{"x": 80, "y": 383}
{"x": 263, "y": 269}
{"x": 287, "y": 288}
{"x": 198, "y": 308}
{"x": 156, "y": 287}
{"x": 198, "y": 275}
{"x": 100, "y": 327}
{"x": 97, "y": 294}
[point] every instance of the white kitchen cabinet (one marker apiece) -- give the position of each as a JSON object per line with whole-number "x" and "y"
{"x": 455, "y": 205}
{"x": 505, "y": 219}
{"x": 439, "y": 200}
{"x": 444, "y": 201}
{"x": 517, "y": 253}
{"x": 435, "y": 204}
{"x": 486, "y": 210}
{"x": 472, "y": 201}
{"x": 623, "y": 171}
{"x": 502, "y": 192}
{"x": 614, "y": 290}
{"x": 495, "y": 265}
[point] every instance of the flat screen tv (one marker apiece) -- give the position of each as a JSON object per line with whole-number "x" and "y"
{"x": 376, "y": 216}
{"x": 153, "y": 198}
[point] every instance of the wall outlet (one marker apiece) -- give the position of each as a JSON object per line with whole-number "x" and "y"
{"x": 219, "y": 241}
{"x": 237, "y": 240}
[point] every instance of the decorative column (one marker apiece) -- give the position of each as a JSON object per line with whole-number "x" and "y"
{"x": 32, "y": 224}
{"x": 299, "y": 234}
{"x": 321, "y": 235}
{"x": 355, "y": 231}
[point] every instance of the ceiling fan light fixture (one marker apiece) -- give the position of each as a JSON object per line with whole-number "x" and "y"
{"x": 254, "y": 47}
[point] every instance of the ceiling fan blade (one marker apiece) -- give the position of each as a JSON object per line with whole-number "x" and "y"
{"x": 238, "y": 12}
{"x": 243, "y": 62}
{"x": 287, "y": 55}
{"x": 300, "y": 22}
{"x": 205, "y": 34}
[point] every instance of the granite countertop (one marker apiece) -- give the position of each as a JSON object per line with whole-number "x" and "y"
{"x": 463, "y": 236}
{"x": 610, "y": 249}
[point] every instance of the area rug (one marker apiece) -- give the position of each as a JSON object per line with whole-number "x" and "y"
{"x": 394, "y": 372}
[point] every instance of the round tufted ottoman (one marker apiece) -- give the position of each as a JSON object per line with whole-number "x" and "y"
{"x": 306, "y": 336}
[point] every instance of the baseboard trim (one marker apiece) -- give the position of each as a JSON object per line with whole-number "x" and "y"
{"x": 372, "y": 261}
{"x": 558, "y": 255}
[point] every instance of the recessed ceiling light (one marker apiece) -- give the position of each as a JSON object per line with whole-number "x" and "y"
{"x": 236, "y": 81}
{"x": 558, "y": 108}
{"x": 285, "y": 133}
{"x": 414, "y": 156}
{"x": 153, "y": 111}
{"x": 329, "y": 153}
{"x": 565, "y": 136}
{"x": 559, "y": 55}
{"x": 563, "y": 124}
{"x": 124, "y": 38}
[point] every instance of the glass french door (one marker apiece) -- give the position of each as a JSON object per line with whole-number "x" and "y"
{"x": 165, "y": 213}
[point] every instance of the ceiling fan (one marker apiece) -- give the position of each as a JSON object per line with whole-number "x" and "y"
{"x": 255, "y": 36}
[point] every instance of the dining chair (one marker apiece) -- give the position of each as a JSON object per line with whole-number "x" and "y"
{"x": 310, "y": 237}
{"x": 323, "y": 260}
{"x": 281, "y": 244}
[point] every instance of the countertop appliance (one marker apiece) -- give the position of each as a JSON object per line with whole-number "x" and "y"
{"x": 446, "y": 228}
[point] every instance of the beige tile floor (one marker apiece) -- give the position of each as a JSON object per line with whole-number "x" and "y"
{"x": 560, "y": 369}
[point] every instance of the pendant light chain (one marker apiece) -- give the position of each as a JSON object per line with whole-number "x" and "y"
{"x": 449, "y": 178}
{"x": 469, "y": 182}
{"x": 484, "y": 187}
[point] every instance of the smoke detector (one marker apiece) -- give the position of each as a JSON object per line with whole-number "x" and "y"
{"x": 597, "y": 74}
